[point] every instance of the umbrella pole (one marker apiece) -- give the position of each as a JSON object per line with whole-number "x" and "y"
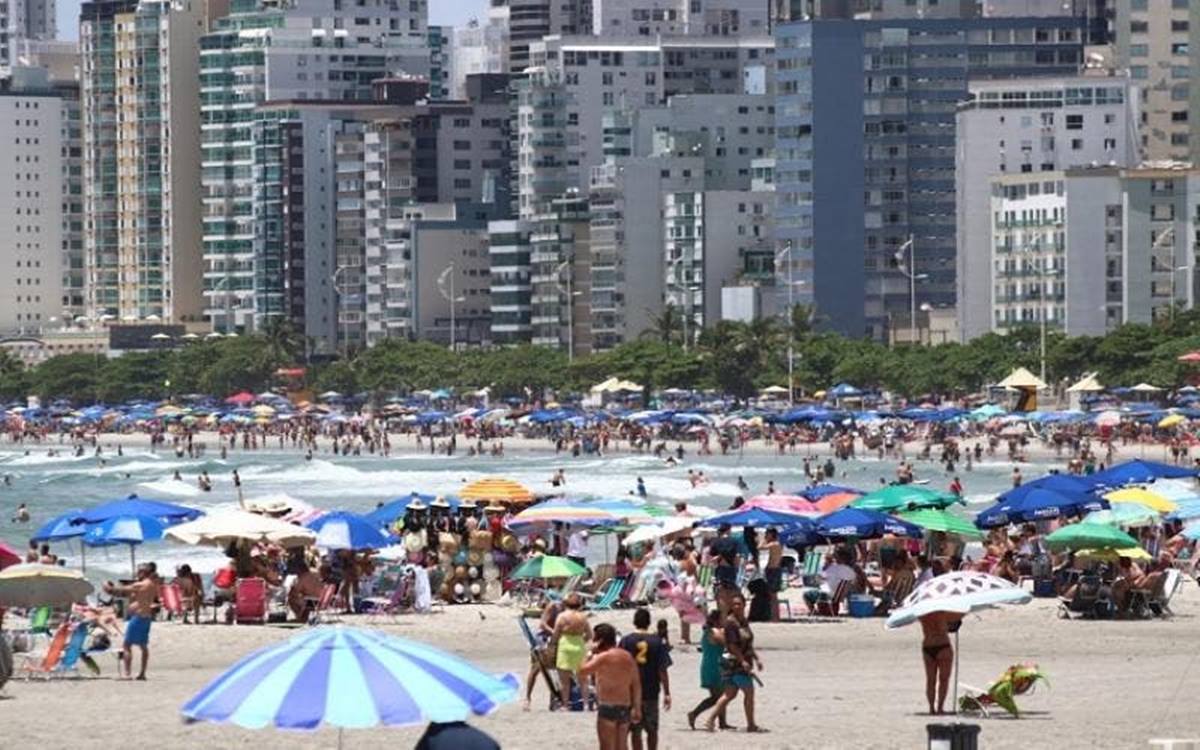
{"x": 132, "y": 562}
{"x": 83, "y": 557}
{"x": 339, "y": 738}
{"x": 956, "y": 673}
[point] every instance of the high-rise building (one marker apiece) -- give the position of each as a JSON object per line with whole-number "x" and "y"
{"x": 479, "y": 47}
{"x": 508, "y": 262}
{"x": 33, "y": 123}
{"x": 530, "y": 21}
{"x": 1158, "y": 42}
{"x": 865, "y": 152}
{"x": 1029, "y": 126}
{"x": 441, "y": 60}
{"x": 21, "y": 22}
{"x": 308, "y": 50}
{"x": 559, "y": 256}
{"x": 629, "y": 18}
{"x": 141, "y": 159}
{"x": 1087, "y": 250}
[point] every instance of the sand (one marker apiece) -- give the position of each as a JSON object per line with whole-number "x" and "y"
{"x": 840, "y": 684}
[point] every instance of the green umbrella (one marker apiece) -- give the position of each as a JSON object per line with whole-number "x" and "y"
{"x": 936, "y": 519}
{"x": 898, "y": 497}
{"x": 1090, "y": 536}
{"x": 548, "y": 566}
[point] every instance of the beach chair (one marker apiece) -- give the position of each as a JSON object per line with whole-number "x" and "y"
{"x": 831, "y": 606}
{"x": 172, "y": 600}
{"x": 604, "y": 599}
{"x": 250, "y": 601}
{"x": 323, "y": 608}
{"x": 704, "y": 576}
{"x": 1089, "y": 600}
{"x": 539, "y": 655}
{"x": 811, "y": 572}
{"x": 1161, "y": 605}
{"x": 48, "y": 662}
{"x": 896, "y": 591}
{"x": 39, "y": 621}
{"x": 1018, "y": 679}
{"x": 377, "y": 607}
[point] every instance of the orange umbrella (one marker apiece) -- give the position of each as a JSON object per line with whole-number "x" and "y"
{"x": 495, "y": 489}
{"x": 836, "y": 501}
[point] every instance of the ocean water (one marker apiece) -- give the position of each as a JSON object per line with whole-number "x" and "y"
{"x": 51, "y": 485}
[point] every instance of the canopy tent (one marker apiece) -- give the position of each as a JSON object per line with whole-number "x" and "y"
{"x": 1087, "y": 384}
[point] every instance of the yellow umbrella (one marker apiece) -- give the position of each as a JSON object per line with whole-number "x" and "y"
{"x": 1111, "y": 555}
{"x": 1143, "y": 496}
{"x": 1171, "y": 420}
{"x": 262, "y": 410}
{"x": 504, "y": 491}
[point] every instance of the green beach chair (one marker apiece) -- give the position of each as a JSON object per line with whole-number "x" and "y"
{"x": 812, "y": 567}
{"x": 704, "y": 576}
{"x": 607, "y": 596}
{"x": 39, "y": 621}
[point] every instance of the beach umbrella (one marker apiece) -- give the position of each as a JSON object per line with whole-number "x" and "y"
{"x": 1178, "y": 491}
{"x": 1139, "y": 471}
{"x": 387, "y": 514}
{"x": 1192, "y": 532}
{"x": 224, "y": 527}
{"x": 1141, "y": 496}
{"x": 789, "y": 503}
{"x": 755, "y": 518}
{"x": 342, "y": 530}
{"x": 547, "y": 566}
{"x": 1065, "y": 483}
{"x": 37, "y": 585}
{"x": 1089, "y": 536}
{"x": 571, "y": 514}
{"x": 859, "y": 523}
{"x": 1108, "y": 418}
{"x": 664, "y": 529}
{"x": 348, "y": 678}
{"x": 1038, "y": 505}
{"x": 8, "y": 556}
{"x": 897, "y": 497}
{"x": 133, "y": 505}
{"x": 935, "y": 519}
{"x": 60, "y": 528}
{"x": 1171, "y": 420}
{"x": 1185, "y": 510}
{"x": 960, "y": 593}
{"x": 1124, "y": 514}
{"x": 1112, "y": 555}
{"x": 494, "y": 489}
{"x": 830, "y": 497}
{"x": 131, "y": 530}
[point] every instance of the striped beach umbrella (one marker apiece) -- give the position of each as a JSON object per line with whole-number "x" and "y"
{"x": 494, "y": 489}
{"x": 348, "y": 678}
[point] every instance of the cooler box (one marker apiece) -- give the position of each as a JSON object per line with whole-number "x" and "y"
{"x": 862, "y": 605}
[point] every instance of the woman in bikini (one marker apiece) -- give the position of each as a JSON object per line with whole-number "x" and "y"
{"x": 938, "y": 656}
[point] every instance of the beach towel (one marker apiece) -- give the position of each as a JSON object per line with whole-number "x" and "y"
{"x": 423, "y": 594}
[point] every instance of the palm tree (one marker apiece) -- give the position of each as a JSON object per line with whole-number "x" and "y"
{"x": 284, "y": 342}
{"x": 666, "y": 327}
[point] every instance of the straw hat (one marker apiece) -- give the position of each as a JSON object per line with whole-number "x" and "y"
{"x": 439, "y": 502}
{"x": 467, "y": 505}
{"x": 495, "y": 508}
{"x": 416, "y": 505}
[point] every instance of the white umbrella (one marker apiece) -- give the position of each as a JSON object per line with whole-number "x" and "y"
{"x": 37, "y": 585}
{"x": 653, "y": 532}
{"x": 222, "y": 527}
{"x": 1109, "y": 419}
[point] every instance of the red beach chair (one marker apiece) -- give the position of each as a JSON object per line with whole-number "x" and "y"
{"x": 172, "y": 599}
{"x": 250, "y": 600}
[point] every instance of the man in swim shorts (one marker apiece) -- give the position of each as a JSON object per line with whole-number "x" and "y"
{"x": 140, "y": 613}
{"x": 572, "y": 631}
{"x": 618, "y": 688}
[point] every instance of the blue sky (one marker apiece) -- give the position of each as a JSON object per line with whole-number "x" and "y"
{"x": 451, "y": 12}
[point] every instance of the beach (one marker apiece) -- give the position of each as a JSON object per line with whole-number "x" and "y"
{"x": 845, "y": 683}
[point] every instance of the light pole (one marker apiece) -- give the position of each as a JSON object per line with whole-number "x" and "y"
{"x": 687, "y": 300}
{"x": 447, "y": 277}
{"x": 223, "y": 283}
{"x": 565, "y": 267}
{"x": 337, "y": 307}
{"x": 1039, "y": 266}
{"x": 791, "y": 311}
{"x": 910, "y": 272}
{"x": 1159, "y": 243}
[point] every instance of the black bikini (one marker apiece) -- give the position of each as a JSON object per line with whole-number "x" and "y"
{"x": 932, "y": 652}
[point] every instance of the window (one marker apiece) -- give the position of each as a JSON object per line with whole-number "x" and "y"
{"x": 1074, "y": 122}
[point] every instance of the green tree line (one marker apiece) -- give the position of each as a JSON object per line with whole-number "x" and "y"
{"x": 730, "y": 357}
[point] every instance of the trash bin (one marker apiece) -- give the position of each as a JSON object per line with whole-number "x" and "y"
{"x": 953, "y": 736}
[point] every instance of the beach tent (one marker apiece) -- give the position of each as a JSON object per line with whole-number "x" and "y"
{"x": 1021, "y": 378}
{"x": 1088, "y": 385}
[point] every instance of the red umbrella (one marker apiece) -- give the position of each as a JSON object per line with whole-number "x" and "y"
{"x": 790, "y": 503}
{"x": 8, "y": 556}
{"x": 241, "y": 399}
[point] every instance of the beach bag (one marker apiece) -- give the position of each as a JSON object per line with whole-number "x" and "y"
{"x": 225, "y": 578}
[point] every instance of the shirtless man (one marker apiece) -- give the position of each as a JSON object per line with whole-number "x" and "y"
{"x": 306, "y": 586}
{"x": 572, "y": 631}
{"x": 773, "y": 572}
{"x": 618, "y": 689}
{"x": 139, "y": 615}
{"x": 938, "y": 656}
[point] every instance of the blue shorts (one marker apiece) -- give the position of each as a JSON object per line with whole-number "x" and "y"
{"x": 137, "y": 631}
{"x": 739, "y": 680}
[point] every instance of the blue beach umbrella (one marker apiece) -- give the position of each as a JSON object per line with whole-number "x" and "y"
{"x": 1057, "y": 482}
{"x": 1141, "y": 472}
{"x": 342, "y": 530}
{"x": 351, "y": 679}
{"x": 756, "y": 517}
{"x": 60, "y": 528}
{"x": 1039, "y": 504}
{"x": 133, "y": 505}
{"x": 131, "y": 530}
{"x": 860, "y": 523}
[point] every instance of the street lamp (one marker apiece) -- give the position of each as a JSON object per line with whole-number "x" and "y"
{"x": 672, "y": 268}
{"x": 910, "y": 272}
{"x": 565, "y": 267}
{"x": 791, "y": 288}
{"x": 337, "y": 307}
{"x": 445, "y": 284}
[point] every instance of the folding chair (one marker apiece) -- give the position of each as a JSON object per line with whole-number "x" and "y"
{"x": 250, "y": 601}
{"x": 171, "y": 599}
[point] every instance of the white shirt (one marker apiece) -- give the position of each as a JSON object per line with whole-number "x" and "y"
{"x": 834, "y": 574}
{"x": 577, "y": 545}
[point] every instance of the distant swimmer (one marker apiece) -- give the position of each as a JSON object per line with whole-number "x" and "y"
{"x": 177, "y": 477}
{"x": 22, "y": 514}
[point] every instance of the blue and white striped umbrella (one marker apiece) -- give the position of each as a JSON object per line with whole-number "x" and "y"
{"x": 342, "y": 530}
{"x": 349, "y": 678}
